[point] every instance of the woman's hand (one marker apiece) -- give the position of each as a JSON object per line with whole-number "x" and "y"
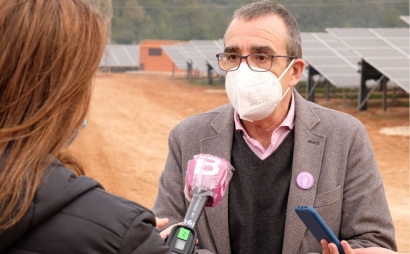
{"x": 162, "y": 222}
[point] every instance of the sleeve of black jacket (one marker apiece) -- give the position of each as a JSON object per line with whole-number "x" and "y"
{"x": 129, "y": 223}
{"x": 75, "y": 215}
{"x": 143, "y": 237}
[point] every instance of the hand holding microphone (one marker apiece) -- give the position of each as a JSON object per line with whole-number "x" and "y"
{"x": 207, "y": 178}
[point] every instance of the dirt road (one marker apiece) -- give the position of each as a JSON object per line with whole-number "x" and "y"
{"x": 124, "y": 145}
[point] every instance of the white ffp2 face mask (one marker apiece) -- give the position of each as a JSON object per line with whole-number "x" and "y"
{"x": 254, "y": 95}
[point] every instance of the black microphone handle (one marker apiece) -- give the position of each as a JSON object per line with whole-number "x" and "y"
{"x": 195, "y": 209}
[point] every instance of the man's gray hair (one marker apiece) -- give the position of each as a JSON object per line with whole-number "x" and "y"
{"x": 266, "y": 8}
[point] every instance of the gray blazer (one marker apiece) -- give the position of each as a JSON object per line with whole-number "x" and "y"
{"x": 333, "y": 146}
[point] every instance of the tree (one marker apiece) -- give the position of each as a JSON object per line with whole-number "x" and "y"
{"x": 136, "y": 20}
{"x": 129, "y": 23}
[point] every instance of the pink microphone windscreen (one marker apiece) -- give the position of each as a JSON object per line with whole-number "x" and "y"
{"x": 207, "y": 173}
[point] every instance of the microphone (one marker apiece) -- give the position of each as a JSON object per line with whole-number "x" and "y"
{"x": 207, "y": 178}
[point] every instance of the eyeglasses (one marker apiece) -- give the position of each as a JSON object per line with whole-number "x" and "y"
{"x": 257, "y": 62}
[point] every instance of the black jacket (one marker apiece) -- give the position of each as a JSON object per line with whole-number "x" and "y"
{"x": 72, "y": 214}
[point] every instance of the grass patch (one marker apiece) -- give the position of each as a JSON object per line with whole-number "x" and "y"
{"x": 216, "y": 82}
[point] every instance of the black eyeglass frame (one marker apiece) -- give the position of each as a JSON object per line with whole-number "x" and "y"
{"x": 246, "y": 59}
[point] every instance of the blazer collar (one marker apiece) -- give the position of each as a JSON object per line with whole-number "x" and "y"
{"x": 220, "y": 145}
{"x": 307, "y": 157}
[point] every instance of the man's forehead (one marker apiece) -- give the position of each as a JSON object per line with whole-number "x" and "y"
{"x": 253, "y": 48}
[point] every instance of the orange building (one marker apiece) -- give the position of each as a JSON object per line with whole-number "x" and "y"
{"x": 153, "y": 58}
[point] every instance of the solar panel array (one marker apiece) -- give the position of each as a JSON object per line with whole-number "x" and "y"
{"x": 331, "y": 58}
{"x": 208, "y": 49}
{"x": 335, "y": 55}
{"x": 200, "y": 53}
{"x": 385, "y": 49}
{"x": 193, "y": 55}
{"x": 177, "y": 57}
{"x": 117, "y": 55}
{"x": 405, "y": 19}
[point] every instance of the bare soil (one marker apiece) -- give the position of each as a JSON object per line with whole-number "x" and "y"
{"x": 125, "y": 143}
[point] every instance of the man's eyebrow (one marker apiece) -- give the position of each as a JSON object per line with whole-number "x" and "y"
{"x": 232, "y": 49}
{"x": 263, "y": 49}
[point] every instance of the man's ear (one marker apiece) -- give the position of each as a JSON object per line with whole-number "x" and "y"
{"x": 297, "y": 70}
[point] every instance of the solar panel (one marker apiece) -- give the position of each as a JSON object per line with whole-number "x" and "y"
{"x": 331, "y": 58}
{"x": 221, "y": 43}
{"x": 108, "y": 59}
{"x": 191, "y": 53}
{"x": 104, "y": 59}
{"x": 176, "y": 56}
{"x": 405, "y": 19}
{"x": 208, "y": 49}
{"x": 133, "y": 52}
{"x": 120, "y": 56}
{"x": 385, "y": 49}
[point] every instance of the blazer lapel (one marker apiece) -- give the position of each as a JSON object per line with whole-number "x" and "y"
{"x": 307, "y": 157}
{"x": 221, "y": 146}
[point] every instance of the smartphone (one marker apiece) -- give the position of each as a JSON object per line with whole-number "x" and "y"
{"x": 317, "y": 225}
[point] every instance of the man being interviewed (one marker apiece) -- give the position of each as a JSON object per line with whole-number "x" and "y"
{"x": 286, "y": 152}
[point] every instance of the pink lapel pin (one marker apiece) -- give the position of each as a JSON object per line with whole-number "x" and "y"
{"x": 305, "y": 180}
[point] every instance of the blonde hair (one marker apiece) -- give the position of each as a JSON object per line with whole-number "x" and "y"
{"x": 50, "y": 50}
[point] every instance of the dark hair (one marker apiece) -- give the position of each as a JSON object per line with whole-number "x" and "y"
{"x": 266, "y": 8}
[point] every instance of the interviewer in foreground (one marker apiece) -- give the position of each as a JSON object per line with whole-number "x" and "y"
{"x": 49, "y": 52}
